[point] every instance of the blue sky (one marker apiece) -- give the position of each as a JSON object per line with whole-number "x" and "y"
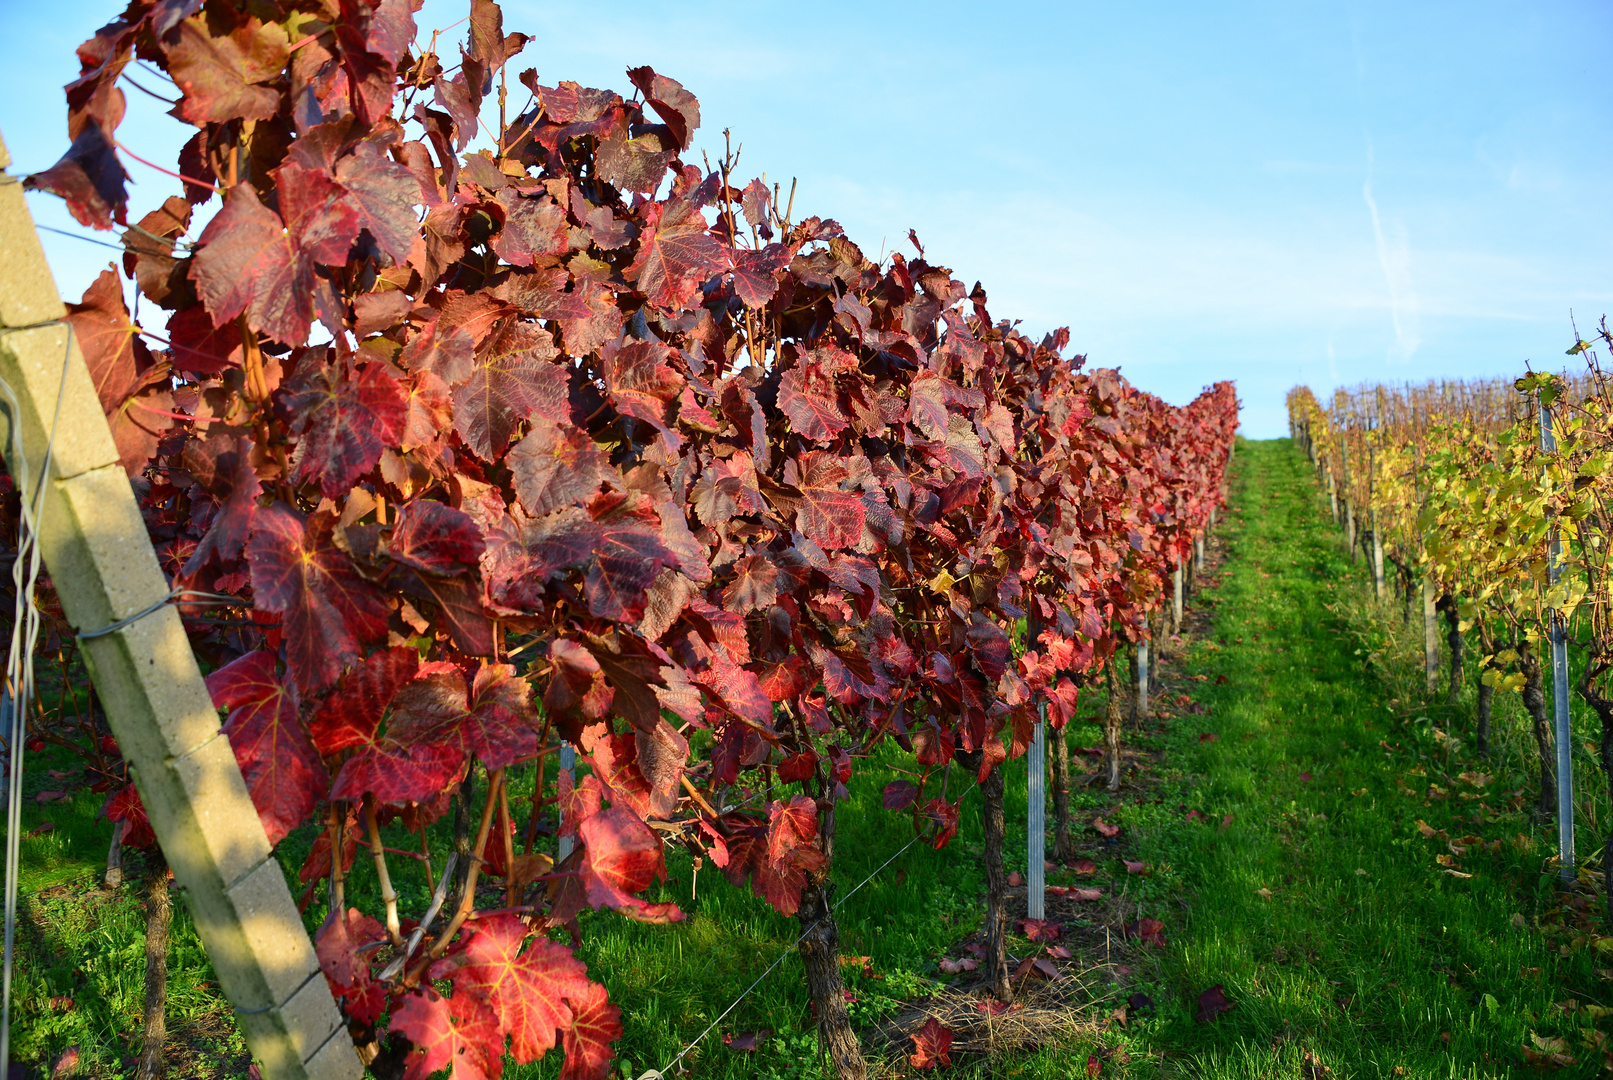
{"x": 1271, "y": 193}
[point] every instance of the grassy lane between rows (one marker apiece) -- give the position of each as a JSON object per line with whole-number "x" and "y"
{"x": 1346, "y": 936}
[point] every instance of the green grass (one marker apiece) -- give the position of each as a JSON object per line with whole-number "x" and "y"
{"x": 1367, "y": 953}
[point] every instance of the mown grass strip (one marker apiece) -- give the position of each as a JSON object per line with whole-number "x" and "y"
{"x": 1320, "y": 906}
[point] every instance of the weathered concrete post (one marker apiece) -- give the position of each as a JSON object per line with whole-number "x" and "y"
{"x": 100, "y": 558}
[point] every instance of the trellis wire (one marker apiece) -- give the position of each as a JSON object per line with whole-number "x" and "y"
{"x": 19, "y": 684}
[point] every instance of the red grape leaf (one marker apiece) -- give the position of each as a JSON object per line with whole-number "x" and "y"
{"x": 578, "y": 686}
{"x": 754, "y": 586}
{"x": 523, "y": 553}
{"x": 615, "y": 762}
{"x": 931, "y": 1045}
{"x": 397, "y": 774}
{"x": 1212, "y": 1003}
{"x": 511, "y": 380}
{"x": 446, "y": 345}
{"x": 900, "y": 794}
{"x": 633, "y": 164}
{"x": 557, "y": 465}
{"x": 670, "y": 100}
{"x": 640, "y": 383}
{"x": 534, "y": 226}
{"x": 382, "y": 195}
{"x": 628, "y": 560}
{"x": 232, "y": 521}
{"x": 676, "y": 254}
{"x": 595, "y": 1024}
{"x": 798, "y": 767}
{"x": 317, "y": 217}
{"x": 247, "y": 262}
{"x": 113, "y": 351}
{"x": 623, "y": 857}
{"x": 662, "y": 754}
{"x": 89, "y": 177}
{"x": 460, "y": 1034}
{"x": 351, "y": 715}
{"x": 436, "y": 538}
{"x": 756, "y": 273}
{"x": 222, "y": 77}
{"x": 371, "y": 41}
{"x": 329, "y": 610}
{"x": 807, "y": 395}
{"x": 337, "y": 943}
{"x": 124, "y": 805}
{"x": 527, "y": 991}
{"x": 790, "y": 825}
{"x": 344, "y": 423}
{"x": 495, "y": 726}
{"x": 785, "y": 679}
{"x": 282, "y": 770}
{"x": 827, "y": 515}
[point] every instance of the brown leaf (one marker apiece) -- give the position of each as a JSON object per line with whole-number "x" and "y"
{"x": 1212, "y": 1003}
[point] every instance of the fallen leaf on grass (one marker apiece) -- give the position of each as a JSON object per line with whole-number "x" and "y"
{"x": 977, "y": 951}
{"x": 1208, "y": 736}
{"x": 992, "y": 1007}
{"x": 1085, "y": 866}
{"x": 42, "y": 828}
{"x": 1014, "y": 880}
{"x": 1038, "y": 967}
{"x": 67, "y": 1064}
{"x": 1551, "y": 1052}
{"x": 1139, "y": 1002}
{"x": 52, "y": 796}
{"x": 1119, "y": 1016}
{"x": 1105, "y": 829}
{"x": 1226, "y": 822}
{"x": 1304, "y": 777}
{"x": 1059, "y": 952}
{"x": 1311, "y": 1068}
{"x": 1264, "y": 894}
{"x": 1041, "y": 929}
{"x": 1085, "y": 894}
{"x": 931, "y": 1044}
{"x": 1475, "y": 779}
{"x": 1430, "y": 832}
{"x": 1212, "y": 1003}
{"x": 1094, "y": 1066}
{"x": 1221, "y": 680}
{"x": 955, "y": 967}
{"x": 1135, "y": 867}
{"x": 1194, "y": 815}
{"x": 61, "y": 1002}
{"x": 746, "y": 1042}
{"x": 1147, "y": 931}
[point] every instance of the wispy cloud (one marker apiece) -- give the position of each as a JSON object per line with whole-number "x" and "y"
{"x": 1394, "y": 255}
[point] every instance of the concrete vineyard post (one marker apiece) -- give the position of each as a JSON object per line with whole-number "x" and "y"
{"x": 1142, "y": 680}
{"x": 568, "y": 761}
{"x": 1176, "y": 598}
{"x": 1377, "y": 537}
{"x": 100, "y": 557}
{"x": 1349, "y": 506}
{"x": 1430, "y": 633}
{"x": 1332, "y": 497}
{"x": 1559, "y": 682}
{"x": 1036, "y": 819}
